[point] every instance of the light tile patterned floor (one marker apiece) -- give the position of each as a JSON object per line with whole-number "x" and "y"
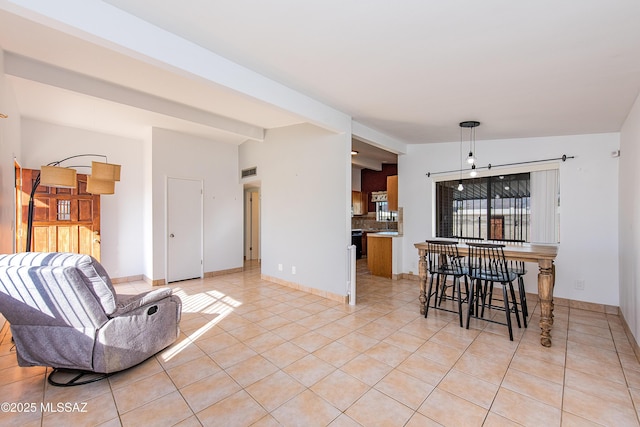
{"x": 255, "y": 353}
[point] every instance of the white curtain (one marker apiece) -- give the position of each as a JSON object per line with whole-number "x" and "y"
{"x": 545, "y": 198}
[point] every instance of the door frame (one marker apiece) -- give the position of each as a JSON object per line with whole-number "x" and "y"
{"x": 166, "y": 223}
{"x": 252, "y": 218}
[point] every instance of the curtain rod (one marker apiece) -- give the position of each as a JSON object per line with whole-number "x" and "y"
{"x": 489, "y": 166}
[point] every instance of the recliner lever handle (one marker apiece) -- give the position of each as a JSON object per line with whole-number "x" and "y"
{"x": 152, "y": 310}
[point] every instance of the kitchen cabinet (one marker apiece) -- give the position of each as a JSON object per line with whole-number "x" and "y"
{"x": 384, "y": 254}
{"x": 379, "y": 256}
{"x": 359, "y": 203}
{"x": 392, "y": 192}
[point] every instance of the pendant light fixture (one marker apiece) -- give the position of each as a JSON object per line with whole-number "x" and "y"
{"x": 460, "y": 186}
{"x": 471, "y": 160}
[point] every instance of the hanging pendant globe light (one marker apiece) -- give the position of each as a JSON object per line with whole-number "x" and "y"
{"x": 471, "y": 125}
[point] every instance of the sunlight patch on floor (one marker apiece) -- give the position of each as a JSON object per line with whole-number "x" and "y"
{"x": 210, "y": 302}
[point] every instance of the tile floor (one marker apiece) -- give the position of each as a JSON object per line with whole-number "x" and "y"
{"x": 255, "y": 353}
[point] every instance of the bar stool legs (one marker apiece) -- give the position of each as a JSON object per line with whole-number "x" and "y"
{"x": 438, "y": 294}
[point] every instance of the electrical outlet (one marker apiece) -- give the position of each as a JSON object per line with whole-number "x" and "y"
{"x": 279, "y": 267}
{"x": 293, "y": 270}
{"x": 579, "y": 285}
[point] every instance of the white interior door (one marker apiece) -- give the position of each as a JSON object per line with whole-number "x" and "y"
{"x": 184, "y": 229}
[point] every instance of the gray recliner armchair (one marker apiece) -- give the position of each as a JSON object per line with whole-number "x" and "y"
{"x": 64, "y": 313}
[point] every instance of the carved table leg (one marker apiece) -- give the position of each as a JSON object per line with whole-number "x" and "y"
{"x": 422, "y": 272}
{"x": 545, "y": 293}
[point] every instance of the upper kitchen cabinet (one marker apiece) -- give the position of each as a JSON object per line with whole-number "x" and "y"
{"x": 392, "y": 192}
{"x": 359, "y": 203}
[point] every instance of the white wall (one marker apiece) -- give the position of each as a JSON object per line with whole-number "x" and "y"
{"x": 589, "y": 199}
{"x": 183, "y": 156}
{"x": 121, "y": 217}
{"x": 9, "y": 149}
{"x": 306, "y": 198}
{"x": 629, "y": 217}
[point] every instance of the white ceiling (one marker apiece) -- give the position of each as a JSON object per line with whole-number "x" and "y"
{"x": 369, "y": 157}
{"x": 411, "y": 69}
{"x": 51, "y": 52}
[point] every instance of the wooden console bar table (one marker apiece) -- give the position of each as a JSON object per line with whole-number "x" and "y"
{"x": 543, "y": 255}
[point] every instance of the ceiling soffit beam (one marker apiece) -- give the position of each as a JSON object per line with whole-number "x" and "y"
{"x": 110, "y": 27}
{"x": 30, "y": 69}
{"x": 377, "y": 139}
{"x": 366, "y": 163}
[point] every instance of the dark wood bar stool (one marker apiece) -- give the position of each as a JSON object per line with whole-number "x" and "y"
{"x": 486, "y": 266}
{"x": 443, "y": 261}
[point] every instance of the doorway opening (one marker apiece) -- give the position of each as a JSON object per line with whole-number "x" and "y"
{"x": 252, "y": 209}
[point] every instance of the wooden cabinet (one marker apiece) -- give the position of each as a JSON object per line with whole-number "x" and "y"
{"x": 379, "y": 256}
{"x": 359, "y": 203}
{"x": 392, "y": 192}
{"x": 356, "y": 202}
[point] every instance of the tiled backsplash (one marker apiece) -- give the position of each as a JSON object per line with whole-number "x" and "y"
{"x": 368, "y": 222}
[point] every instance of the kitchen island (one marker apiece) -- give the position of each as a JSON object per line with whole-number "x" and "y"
{"x": 384, "y": 253}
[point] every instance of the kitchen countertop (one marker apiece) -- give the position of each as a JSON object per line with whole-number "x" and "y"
{"x": 384, "y": 234}
{"x": 377, "y": 232}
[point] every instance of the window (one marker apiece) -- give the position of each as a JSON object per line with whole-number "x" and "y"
{"x": 64, "y": 210}
{"x": 384, "y": 214}
{"x": 488, "y": 208}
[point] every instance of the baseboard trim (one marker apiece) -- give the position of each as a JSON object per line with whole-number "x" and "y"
{"x": 630, "y": 337}
{"x": 560, "y": 302}
{"x": 157, "y": 282}
{"x": 319, "y": 292}
{"x": 207, "y": 274}
{"x": 127, "y": 279}
{"x": 223, "y": 272}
